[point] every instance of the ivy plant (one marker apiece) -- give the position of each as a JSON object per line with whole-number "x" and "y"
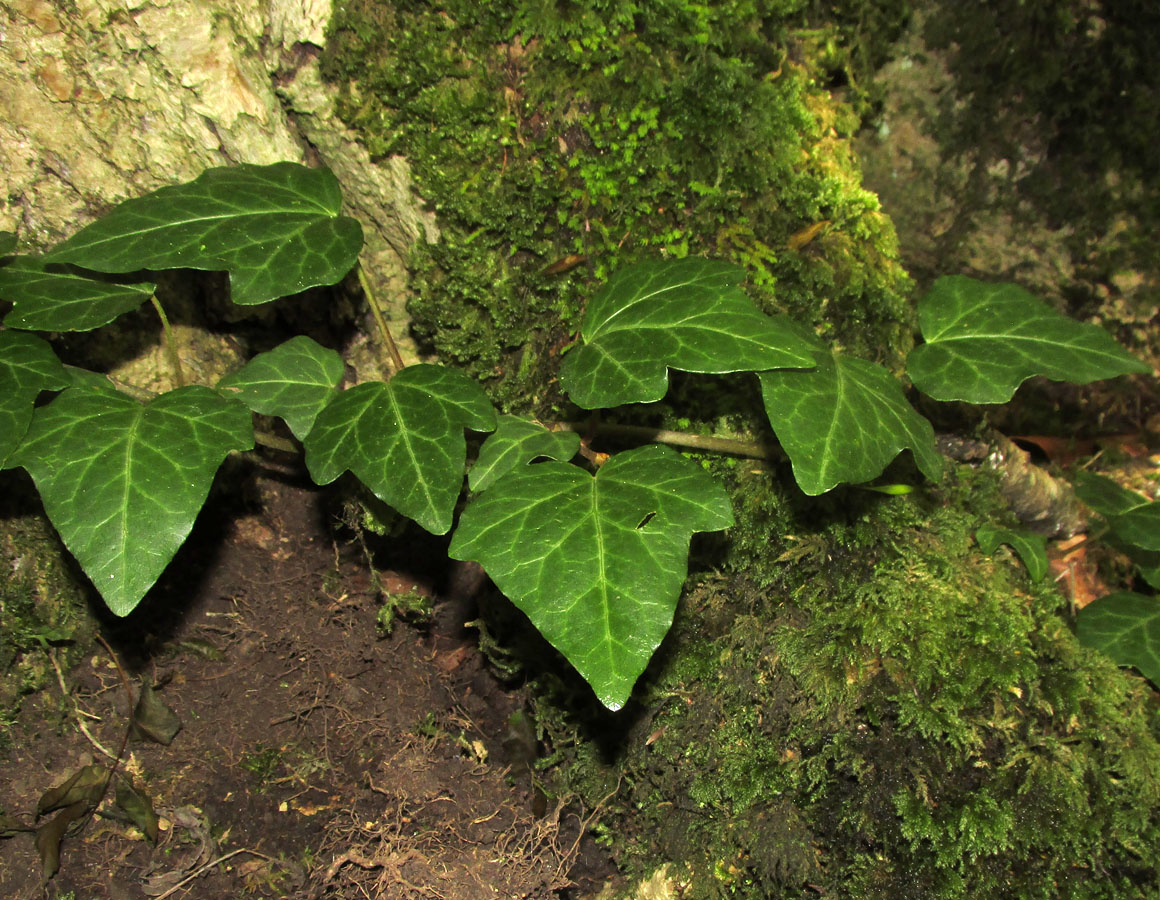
{"x": 595, "y": 552}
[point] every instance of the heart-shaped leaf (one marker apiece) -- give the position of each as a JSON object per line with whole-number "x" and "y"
{"x": 596, "y": 562}
{"x": 403, "y": 439}
{"x": 687, "y": 314}
{"x": 984, "y": 340}
{"x": 27, "y": 367}
{"x": 61, "y": 298}
{"x": 276, "y": 229}
{"x": 844, "y": 421}
{"x": 1126, "y": 626}
{"x": 1032, "y": 548}
{"x": 516, "y": 442}
{"x": 295, "y": 381}
{"x": 123, "y": 482}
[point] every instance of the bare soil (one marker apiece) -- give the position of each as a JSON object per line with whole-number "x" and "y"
{"x": 318, "y": 757}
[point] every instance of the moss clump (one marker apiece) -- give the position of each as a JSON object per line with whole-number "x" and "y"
{"x": 41, "y": 602}
{"x": 892, "y": 715}
{"x": 557, "y": 142}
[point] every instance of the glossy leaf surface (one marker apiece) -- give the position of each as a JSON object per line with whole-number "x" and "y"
{"x": 1125, "y": 626}
{"x": 64, "y": 299}
{"x": 1104, "y": 495}
{"x": 27, "y": 367}
{"x": 1139, "y": 526}
{"x": 403, "y": 439}
{"x": 983, "y": 340}
{"x": 596, "y": 562}
{"x": 1110, "y": 500}
{"x": 1031, "y": 548}
{"x": 276, "y": 229}
{"x": 844, "y": 421}
{"x": 123, "y": 482}
{"x": 516, "y": 442}
{"x": 294, "y": 381}
{"x": 688, "y": 314}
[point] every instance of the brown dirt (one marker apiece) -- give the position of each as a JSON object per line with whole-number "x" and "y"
{"x": 318, "y": 758}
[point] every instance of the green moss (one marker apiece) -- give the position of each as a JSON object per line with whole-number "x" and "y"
{"x": 557, "y": 142}
{"x": 877, "y": 710}
{"x": 42, "y": 604}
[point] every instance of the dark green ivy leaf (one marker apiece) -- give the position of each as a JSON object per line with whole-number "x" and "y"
{"x": 277, "y": 230}
{"x": 516, "y": 442}
{"x": 844, "y": 421}
{"x": 61, "y": 298}
{"x": 1125, "y": 626}
{"x": 1032, "y": 548}
{"x": 596, "y": 563}
{"x": 403, "y": 439}
{"x": 294, "y": 381}
{"x": 27, "y": 367}
{"x": 983, "y": 340}
{"x": 687, "y": 314}
{"x": 123, "y": 481}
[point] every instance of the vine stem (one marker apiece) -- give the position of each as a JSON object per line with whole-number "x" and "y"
{"x": 645, "y": 434}
{"x": 397, "y": 364}
{"x": 170, "y": 342}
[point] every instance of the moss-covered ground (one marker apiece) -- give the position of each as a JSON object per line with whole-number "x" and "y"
{"x": 860, "y": 704}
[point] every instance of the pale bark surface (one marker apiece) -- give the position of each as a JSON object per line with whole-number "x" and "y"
{"x": 103, "y": 100}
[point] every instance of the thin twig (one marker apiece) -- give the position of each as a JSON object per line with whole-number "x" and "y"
{"x": 397, "y": 364}
{"x": 197, "y": 873}
{"x": 76, "y": 710}
{"x": 170, "y": 342}
{"x": 129, "y": 727}
{"x": 732, "y": 446}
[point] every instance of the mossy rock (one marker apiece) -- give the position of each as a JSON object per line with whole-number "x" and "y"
{"x": 558, "y": 143}
{"x": 878, "y": 710}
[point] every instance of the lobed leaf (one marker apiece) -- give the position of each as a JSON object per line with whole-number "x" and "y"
{"x": 516, "y": 442}
{"x": 688, "y": 314}
{"x": 1032, "y": 548}
{"x": 1125, "y": 626}
{"x": 276, "y": 229}
{"x": 984, "y": 340}
{"x": 61, "y": 298}
{"x": 294, "y": 381}
{"x": 27, "y": 367}
{"x": 844, "y": 421}
{"x": 596, "y": 562}
{"x": 403, "y": 439}
{"x": 123, "y": 482}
